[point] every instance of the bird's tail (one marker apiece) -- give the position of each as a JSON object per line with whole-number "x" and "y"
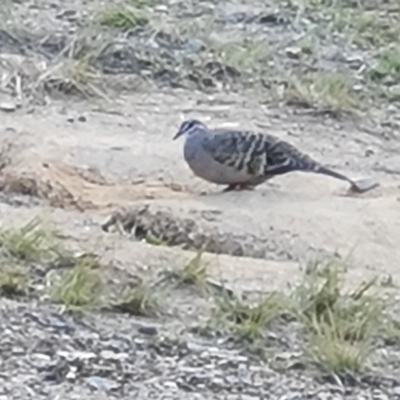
{"x": 320, "y": 169}
{"x": 308, "y": 164}
{"x": 286, "y": 158}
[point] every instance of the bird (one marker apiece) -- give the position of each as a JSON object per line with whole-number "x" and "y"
{"x": 244, "y": 159}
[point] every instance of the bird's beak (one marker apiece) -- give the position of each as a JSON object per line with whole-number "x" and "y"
{"x": 179, "y": 133}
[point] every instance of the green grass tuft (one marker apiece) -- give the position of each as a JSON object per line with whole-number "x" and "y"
{"x": 247, "y": 320}
{"x": 193, "y": 273}
{"x": 123, "y": 18}
{"x": 140, "y": 300}
{"x": 30, "y": 243}
{"x": 80, "y": 286}
{"x": 340, "y": 326}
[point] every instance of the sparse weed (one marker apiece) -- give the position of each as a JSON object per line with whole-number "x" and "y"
{"x": 150, "y": 238}
{"x": 306, "y": 47}
{"x": 5, "y": 13}
{"x": 340, "y": 326}
{"x": 245, "y": 56}
{"x": 80, "y": 286}
{"x": 247, "y": 320}
{"x": 193, "y": 273}
{"x": 371, "y": 29}
{"x": 391, "y": 331}
{"x": 387, "y": 67}
{"x": 140, "y": 300}
{"x": 141, "y": 3}
{"x": 75, "y": 77}
{"x": 30, "y": 243}
{"x": 331, "y": 90}
{"x": 13, "y": 282}
{"x": 366, "y": 28}
{"x": 123, "y": 18}
{"x": 335, "y": 353}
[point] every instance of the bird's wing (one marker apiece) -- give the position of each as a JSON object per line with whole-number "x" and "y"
{"x": 241, "y": 150}
{"x": 257, "y": 154}
{"x": 282, "y": 157}
{"x": 260, "y": 155}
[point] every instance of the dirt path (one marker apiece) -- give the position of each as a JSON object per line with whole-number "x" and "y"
{"x": 97, "y": 162}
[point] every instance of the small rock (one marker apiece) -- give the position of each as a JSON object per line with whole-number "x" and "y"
{"x": 71, "y": 375}
{"x": 148, "y": 330}
{"x": 369, "y": 152}
{"x": 170, "y": 385}
{"x": 396, "y": 391}
{"x": 99, "y": 383}
{"x": 76, "y": 355}
{"x": 238, "y": 18}
{"x": 69, "y": 15}
{"x": 161, "y": 8}
{"x": 82, "y": 118}
{"x": 8, "y": 106}
{"x": 355, "y": 62}
{"x": 194, "y": 45}
{"x": 272, "y": 19}
{"x": 293, "y": 52}
{"x": 40, "y": 360}
{"x": 110, "y": 355}
{"x": 57, "y": 371}
{"x": 364, "y": 185}
{"x": 18, "y": 351}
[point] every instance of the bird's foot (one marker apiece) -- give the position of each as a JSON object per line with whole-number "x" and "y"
{"x": 238, "y": 186}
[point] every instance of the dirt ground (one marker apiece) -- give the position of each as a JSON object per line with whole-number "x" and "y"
{"x": 75, "y": 161}
{"x": 112, "y": 161}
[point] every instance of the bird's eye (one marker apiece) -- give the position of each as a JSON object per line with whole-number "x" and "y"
{"x": 191, "y": 124}
{"x": 188, "y": 125}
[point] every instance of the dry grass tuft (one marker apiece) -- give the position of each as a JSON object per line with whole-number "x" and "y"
{"x": 322, "y": 90}
{"x": 139, "y": 300}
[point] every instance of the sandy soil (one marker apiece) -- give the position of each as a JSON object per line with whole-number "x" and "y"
{"x": 111, "y": 161}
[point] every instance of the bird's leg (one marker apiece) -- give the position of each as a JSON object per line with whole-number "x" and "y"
{"x": 229, "y": 188}
{"x": 238, "y": 186}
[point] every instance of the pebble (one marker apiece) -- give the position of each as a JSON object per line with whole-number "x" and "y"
{"x": 76, "y": 355}
{"x": 40, "y": 360}
{"x": 8, "y": 106}
{"x": 99, "y": 383}
{"x": 148, "y": 330}
{"x": 110, "y": 355}
{"x": 170, "y": 385}
{"x": 293, "y": 52}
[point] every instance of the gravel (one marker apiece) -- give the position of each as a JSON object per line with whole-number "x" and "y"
{"x": 46, "y": 353}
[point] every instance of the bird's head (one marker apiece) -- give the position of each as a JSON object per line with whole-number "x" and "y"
{"x": 188, "y": 127}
